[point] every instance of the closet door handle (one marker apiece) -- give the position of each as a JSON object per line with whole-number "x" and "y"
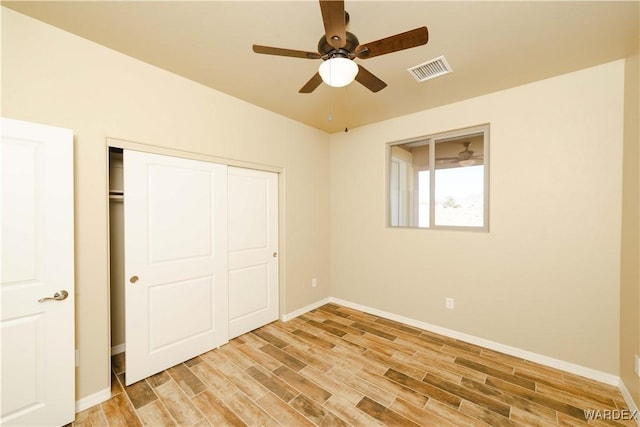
{"x": 133, "y": 279}
{"x": 275, "y": 254}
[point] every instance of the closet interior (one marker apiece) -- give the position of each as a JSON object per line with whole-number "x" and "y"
{"x": 116, "y": 249}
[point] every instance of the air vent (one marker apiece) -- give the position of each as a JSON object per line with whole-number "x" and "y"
{"x": 430, "y": 69}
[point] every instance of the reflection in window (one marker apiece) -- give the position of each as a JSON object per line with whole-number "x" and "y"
{"x": 398, "y": 185}
{"x": 423, "y": 198}
{"x": 452, "y": 193}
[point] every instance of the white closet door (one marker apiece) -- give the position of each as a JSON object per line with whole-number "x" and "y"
{"x": 175, "y": 231}
{"x": 253, "y": 249}
{"x": 38, "y": 369}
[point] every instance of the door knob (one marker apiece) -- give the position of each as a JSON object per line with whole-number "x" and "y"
{"x": 275, "y": 254}
{"x": 133, "y": 279}
{"x": 58, "y": 296}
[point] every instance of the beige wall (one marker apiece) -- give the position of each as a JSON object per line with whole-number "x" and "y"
{"x": 52, "y": 77}
{"x": 546, "y": 278}
{"x": 630, "y": 253}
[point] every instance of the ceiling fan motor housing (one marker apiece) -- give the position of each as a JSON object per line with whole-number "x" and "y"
{"x": 465, "y": 154}
{"x": 327, "y": 51}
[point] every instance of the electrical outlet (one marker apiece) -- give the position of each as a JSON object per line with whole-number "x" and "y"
{"x": 449, "y": 303}
{"x": 314, "y": 282}
{"x": 637, "y": 365}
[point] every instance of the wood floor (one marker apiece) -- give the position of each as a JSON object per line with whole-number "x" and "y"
{"x": 335, "y": 366}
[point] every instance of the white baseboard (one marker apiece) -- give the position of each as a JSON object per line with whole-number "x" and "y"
{"x": 117, "y": 349}
{"x": 629, "y": 401}
{"x": 103, "y": 395}
{"x": 593, "y": 374}
{"x": 303, "y": 310}
{"x": 92, "y": 400}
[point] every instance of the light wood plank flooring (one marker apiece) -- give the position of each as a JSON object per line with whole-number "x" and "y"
{"x": 335, "y": 366}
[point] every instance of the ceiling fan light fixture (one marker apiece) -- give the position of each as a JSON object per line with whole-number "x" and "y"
{"x": 338, "y": 71}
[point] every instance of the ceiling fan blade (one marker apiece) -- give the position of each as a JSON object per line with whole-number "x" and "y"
{"x": 312, "y": 84}
{"x": 406, "y": 40}
{"x": 369, "y": 81}
{"x": 333, "y": 18}
{"x": 267, "y": 50}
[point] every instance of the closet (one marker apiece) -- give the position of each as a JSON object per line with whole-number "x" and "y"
{"x": 194, "y": 256}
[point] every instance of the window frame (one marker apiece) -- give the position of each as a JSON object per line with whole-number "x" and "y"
{"x": 432, "y": 140}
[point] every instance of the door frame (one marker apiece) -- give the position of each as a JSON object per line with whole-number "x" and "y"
{"x": 153, "y": 149}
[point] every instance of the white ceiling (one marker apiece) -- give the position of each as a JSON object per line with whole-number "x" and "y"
{"x": 490, "y": 46}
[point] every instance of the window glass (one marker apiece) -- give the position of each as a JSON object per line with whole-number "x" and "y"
{"x": 423, "y": 198}
{"x": 459, "y": 196}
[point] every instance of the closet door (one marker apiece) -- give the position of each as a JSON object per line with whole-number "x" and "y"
{"x": 253, "y": 249}
{"x": 175, "y": 232}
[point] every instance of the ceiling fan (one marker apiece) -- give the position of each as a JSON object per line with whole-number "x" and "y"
{"x": 338, "y": 48}
{"x": 464, "y": 158}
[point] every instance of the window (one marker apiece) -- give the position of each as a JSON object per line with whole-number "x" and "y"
{"x": 441, "y": 181}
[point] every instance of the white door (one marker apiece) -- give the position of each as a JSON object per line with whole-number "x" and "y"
{"x": 38, "y": 357}
{"x": 253, "y": 249}
{"x": 175, "y": 232}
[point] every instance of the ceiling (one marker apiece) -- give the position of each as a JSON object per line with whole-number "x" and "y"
{"x": 490, "y": 46}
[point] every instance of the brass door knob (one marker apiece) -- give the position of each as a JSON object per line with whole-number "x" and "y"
{"x": 133, "y": 279}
